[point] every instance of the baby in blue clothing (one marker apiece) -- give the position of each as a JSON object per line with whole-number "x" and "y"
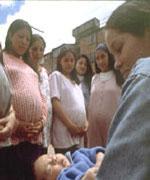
{"x": 73, "y": 166}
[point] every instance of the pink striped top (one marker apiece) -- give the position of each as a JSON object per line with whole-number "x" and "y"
{"x": 27, "y": 100}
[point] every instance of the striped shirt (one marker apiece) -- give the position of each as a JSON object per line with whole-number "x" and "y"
{"x": 27, "y": 100}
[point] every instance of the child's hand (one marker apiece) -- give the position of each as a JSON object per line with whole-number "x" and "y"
{"x": 50, "y": 150}
{"x": 90, "y": 174}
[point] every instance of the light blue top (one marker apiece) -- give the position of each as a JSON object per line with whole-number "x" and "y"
{"x": 127, "y": 155}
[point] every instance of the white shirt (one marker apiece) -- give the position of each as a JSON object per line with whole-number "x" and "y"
{"x": 72, "y": 101}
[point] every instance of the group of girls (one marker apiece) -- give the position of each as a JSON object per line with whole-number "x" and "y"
{"x": 59, "y": 109}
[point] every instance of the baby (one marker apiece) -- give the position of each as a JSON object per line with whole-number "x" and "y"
{"x": 77, "y": 165}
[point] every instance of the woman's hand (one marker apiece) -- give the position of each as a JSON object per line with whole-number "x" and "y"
{"x": 35, "y": 129}
{"x": 8, "y": 125}
{"x": 84, "y": 129}
{"x": 29, "y": 129}
{"x": 74, "y": 129}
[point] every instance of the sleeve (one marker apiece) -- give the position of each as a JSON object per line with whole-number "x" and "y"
{"x": 55, "y": 85}
{"x": 128, "y": 149}
{"x": 93, "y": 81}
{"x": 5, "y": 92}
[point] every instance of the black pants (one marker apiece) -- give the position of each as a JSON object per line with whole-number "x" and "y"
{"x": 16, "y": 161}
{"x": 64, "y": 150}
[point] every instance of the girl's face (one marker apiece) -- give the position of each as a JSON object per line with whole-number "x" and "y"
{"x": 81, "y": 66}
{"x": 36, "y": 51}
{"x": 126, "y": 49}
{"x": 20, "y": 41}
{"x": 102, "y": 60}
{"x": 49, "y": 167}
{"x": 67, "y": 63}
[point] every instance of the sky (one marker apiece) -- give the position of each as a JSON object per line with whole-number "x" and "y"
{"x": 54, "y": 19}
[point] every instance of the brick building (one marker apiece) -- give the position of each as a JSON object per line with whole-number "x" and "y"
{"x": 87, "y": 36}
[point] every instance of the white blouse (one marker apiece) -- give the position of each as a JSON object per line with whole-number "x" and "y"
{"x": 72, "y": 101}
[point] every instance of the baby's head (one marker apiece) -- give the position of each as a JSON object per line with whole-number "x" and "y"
{"x": 48, "y": 167}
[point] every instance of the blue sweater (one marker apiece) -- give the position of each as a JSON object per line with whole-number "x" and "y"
{"x": 82, "y": 160}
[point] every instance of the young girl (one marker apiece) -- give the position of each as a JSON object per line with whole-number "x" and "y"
{"x": 84, "y": 76}
{"x": 69, "y": 118}
{"x": 29, "y": 105}
{"x": 35, "y": 56}
{"x": 105, "y": 93}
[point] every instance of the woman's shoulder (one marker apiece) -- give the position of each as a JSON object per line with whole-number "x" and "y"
{"x": 55, "y": 73}
{"x": 95, "y": 77}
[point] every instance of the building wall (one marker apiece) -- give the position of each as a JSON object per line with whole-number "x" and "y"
{"x": 87, "y": 37}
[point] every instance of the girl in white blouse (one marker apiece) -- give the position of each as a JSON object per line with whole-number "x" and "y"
{"x": 69, "y": 114}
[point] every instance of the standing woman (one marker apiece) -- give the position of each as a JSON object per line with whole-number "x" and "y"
{"x": 8, "y": 121}
{"x": 34, "y": 59}
{"x": 84, "y": 76}
{"x": 69, "y": 114}
{"x": 29, "y": 105}
{"x": 104, "y": 99}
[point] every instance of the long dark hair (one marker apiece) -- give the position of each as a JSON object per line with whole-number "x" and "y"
{"x": 13, "y": 28}
{"x": 63, "y": 53}
{"x": 131, "y": 17}
{"x": 34, "y": 38}
{"x": 88, "y": 75}
{"x": 111, "y": 61}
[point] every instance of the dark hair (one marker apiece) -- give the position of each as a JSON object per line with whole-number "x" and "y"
{"x": 36, "y": 37}
{"x": 63, "y": 53}
{"x": 13, "y": 28}
{"x": 88, "y": 75}
{"x": 111, "y": 62}
{"x": 132, "y": 17}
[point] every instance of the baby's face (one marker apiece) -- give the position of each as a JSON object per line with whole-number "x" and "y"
{"x": 49, "y": 166}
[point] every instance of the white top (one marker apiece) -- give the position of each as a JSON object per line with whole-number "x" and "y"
{"x": 106, "y": 75}
{"x": 45, "y": 90}
{"x": 81, "y": 78}
{"x": 72, "y": 101}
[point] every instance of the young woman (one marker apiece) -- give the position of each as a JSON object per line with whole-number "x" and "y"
{"x": 84, "y": 76}
{"x": 29, "y": 105}
{"x": 105, "y": 94}
{"x": 69, "y": 114}
{"x": 128, "y": 38}
{"x": 34, "y": 58}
